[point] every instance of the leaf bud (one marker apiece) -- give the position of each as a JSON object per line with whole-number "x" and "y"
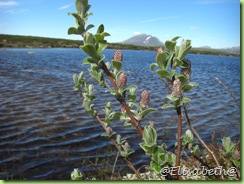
{"x": 236, "y": 155}
{"x": 122, "y": 79}
{"x": 177, "y": 88}
{"x": 159, "y": 50}
{"x": 118, "y": 56}
{"x": 144, "y": 99}
{"x": 109, "y": 130}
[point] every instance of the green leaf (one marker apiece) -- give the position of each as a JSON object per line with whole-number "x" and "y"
{"x": 157, "y": 168}
{"x": 126, "y": 124}
{"x": 168, "y": 106}
{"x": 89, "y": 27}
{"x": 182, "y": 78}
{"x": 89, "y": 39}
{"x": 101, "y": 60}
{"x": 185, "y": 64}
{"x": 227, "y": 144}
{"x": 108, "y": 64}
{"x": 184, "y": 100}
{"x": 118, "y": 140}
{"x": 107, "y": 135}
{"x": 90, "y": 89}
{"x": 108, "y": 109}
{"x": 189, "y": 86}
{"x": 185, "y": 52}
{"x": 149, "y": 135}
{"x": 177, "y": 62}
{"x": 175, "y": 38}
{"x": 185, "y": 47}
{"x": 152, "y": 66}
{"x": 79, "y": 20}
{"x": 88, "y": 60}
{"x": 124, "y": 154}
{"x": 99, "y": 38}
{"x": 116, "y": 115}
{"x": 90, "y": 50}
{"x": 100, "y": 29}
{"x": 196, "y": 150}
{"x": 171, "y": 56}
{"x": 172, "y": 98}
{"x": 88, "y": 106}
{"x": 81, "y": 75}
{"x": 147, "y": 111}
{"x": 162, "y": 73}
{"x": 161, "y": 59}
{"x": 235, "y": 162}
{"x": 189, "y": 135}
{"x": 113, "y": 92}
{"x": 75, "y": 79}
{"x": 82, "y": 7}
{"x": 72, "y": 30}
{"x": 177, "y": 48}
{"x": 147, "y": 149}
{"x": 170, "y": 45}
{"x": 101, "y": 47}
{"x": 116, "y": 65}
{"x": 131, "y": 97}
{"x": 158, "y": 155}
{"x": 132, "y": 89}
{"x": 105, "y": 34}
{"x": 172, "y": 73}
{"x": 76, "y": 175}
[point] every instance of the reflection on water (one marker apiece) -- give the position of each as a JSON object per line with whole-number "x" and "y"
{"x": 45, "y": 132}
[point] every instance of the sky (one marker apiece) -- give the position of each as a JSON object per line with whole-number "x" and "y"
{"x": 214, "y": 23}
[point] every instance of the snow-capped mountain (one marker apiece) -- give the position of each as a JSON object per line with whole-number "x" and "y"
{"x": 144, "y": 40}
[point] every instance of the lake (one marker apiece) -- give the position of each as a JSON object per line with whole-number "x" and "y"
{"x": 45, "y": 132}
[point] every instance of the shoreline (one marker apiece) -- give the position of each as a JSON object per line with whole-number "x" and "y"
{"x": 18, "y": 41}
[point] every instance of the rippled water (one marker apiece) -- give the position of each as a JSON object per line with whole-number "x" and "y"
{"x": 45, "y": 132}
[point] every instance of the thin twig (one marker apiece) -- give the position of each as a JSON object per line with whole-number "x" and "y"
{"x": 200, "y": 139}
{"x": 115, "y": 162}
{"x": 231, "y": 94}
{"x": 151, "y": 93}
{"x": 119, "y": 149}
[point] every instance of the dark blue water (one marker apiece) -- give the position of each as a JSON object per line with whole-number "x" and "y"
{"x": 45, "y": 132}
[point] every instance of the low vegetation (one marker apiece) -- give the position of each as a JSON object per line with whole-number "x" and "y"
{"x": 17, "y": 41}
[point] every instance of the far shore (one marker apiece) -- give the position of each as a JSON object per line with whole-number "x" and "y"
{"x": 16, "y": 41}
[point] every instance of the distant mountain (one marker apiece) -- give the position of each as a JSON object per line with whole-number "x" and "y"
{"x": 143, "y": 40}
{"x": 233, "y": 50}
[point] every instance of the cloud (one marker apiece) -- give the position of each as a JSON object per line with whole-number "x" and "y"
{"x": 137, "y": 33}
{"x": 8, "y": 3}
{"x": 160, "y": 18}
{"x": 15, "y": 11}
{"x": 194, "y": 27}
{"x": 65, "y": 6}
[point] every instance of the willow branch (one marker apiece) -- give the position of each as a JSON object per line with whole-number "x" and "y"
{"x": 121, "y": 99}
{"x": 179, "y": 139}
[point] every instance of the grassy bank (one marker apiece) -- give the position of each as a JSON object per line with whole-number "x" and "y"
{"x": 17, "y": 41}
